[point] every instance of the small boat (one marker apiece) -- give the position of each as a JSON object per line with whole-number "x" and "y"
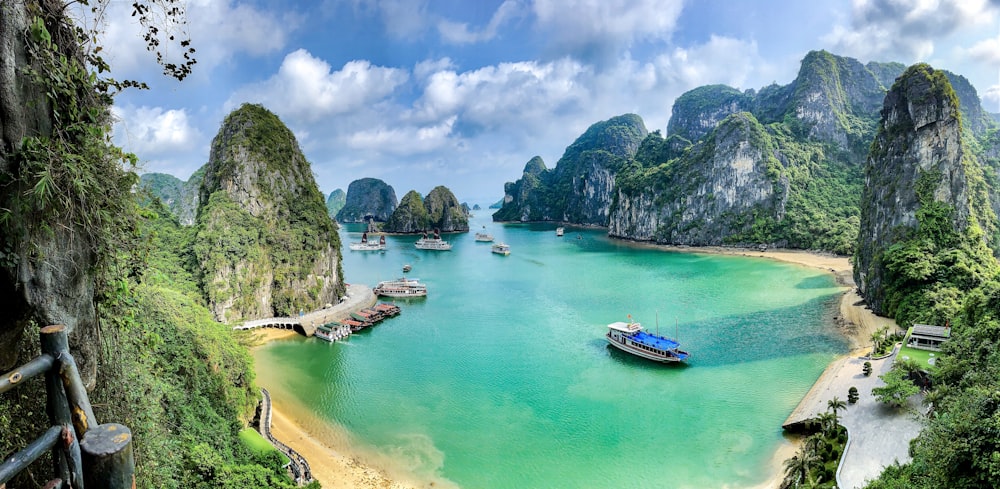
{"x": 366, "y": 245}
{"x": 402, "y": 287}
{"x": 484, "y": 237}
{"x": 501, "y": 249}
{"x": 560, "y": 231}
{"x": 630, "y": 337}
{"x": 407, "y": 268}
{"x": 435, "y": 243}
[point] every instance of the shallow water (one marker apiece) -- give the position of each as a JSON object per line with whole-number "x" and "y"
{"x": 501, "y": 377}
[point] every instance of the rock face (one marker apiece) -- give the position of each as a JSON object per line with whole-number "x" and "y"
{"x": 368, "y": 197}
{"x": 47, "y": 273}
{"x": 579, "y": 189}
{"x": 444, "y": 212}
{"x": 409, "y": 217}
{"x": 917, "y": 154}
{"x": 335, "y": 202}
{"x": 440, "y": 210}
{"x": 782, "y": 166}
{"x": 265, "y": 244}
{"x": 179, "y": 196}
{"x": 734, "y": 174}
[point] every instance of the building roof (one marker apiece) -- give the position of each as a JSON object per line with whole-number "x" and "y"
{"x": 927, "y": 331}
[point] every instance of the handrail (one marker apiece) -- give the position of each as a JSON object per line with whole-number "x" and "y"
{"x": 83, "y": 452}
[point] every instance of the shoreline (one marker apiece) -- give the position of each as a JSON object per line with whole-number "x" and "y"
{"x": 343, "y": 467}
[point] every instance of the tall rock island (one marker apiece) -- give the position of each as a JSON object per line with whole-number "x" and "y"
{"x": 439, "y": 211}
{"x": 368, "y": 198}
{"x": 180, "y": 197}
{"x": 265, "y": 244}
{"x": 923, "y": 193}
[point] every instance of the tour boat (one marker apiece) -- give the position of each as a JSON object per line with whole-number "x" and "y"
{"x": 332, "y": 332}
{"x": 407, "y": 268}
{"x": 560, "y": 231}
{"x": 366, "y": 245}
{"x": 501, "y": 249}
{"x": 435, "y": 243}
{"x": 402, "y": 287}
{"x": 630, "y": 337}
{"x": 484, "y": 237}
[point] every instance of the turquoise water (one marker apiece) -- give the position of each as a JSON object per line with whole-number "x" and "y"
{"x": 501, "y": 377}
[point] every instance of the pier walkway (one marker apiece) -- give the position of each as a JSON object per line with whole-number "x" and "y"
{"x": 358, "y": 296}
{"x": 298, "y": 465}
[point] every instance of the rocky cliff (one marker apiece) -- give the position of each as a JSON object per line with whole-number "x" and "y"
{"x": 727, "y": 188}
{"x": 180, "y": 197}
{"x": 335, "y": 202}
{"x": 409, "y": 217}
{"x": 444, "y": 212}
{"x": 788, "y": 169}
{"x": 368, "y": 197}
{"x": 265, "y": 244}
{"x": 440, "y": 210}
{"x": 919, "y": 180}
{"x": 579, "y": 189}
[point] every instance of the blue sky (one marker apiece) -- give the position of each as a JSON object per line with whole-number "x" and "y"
{"x": 463, "y": 93}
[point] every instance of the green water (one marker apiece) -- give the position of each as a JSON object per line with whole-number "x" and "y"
{"x": 501, "y": 377}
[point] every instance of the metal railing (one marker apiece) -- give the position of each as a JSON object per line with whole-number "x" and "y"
{"x": 84, "y": 453}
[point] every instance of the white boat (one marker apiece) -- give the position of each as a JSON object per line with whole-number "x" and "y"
{"x": 366, "y": 245}
{"x": 501, "y": 249}
{"x": 402, "y": 287}
{"x": 484, "y": 237}
{"x": 629, "y": 337}
{"x": 560, "y": 231}
{"x": 435, "y": 243}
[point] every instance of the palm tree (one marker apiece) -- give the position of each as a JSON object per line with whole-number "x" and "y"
{"x": 876, "y": 338}
{"x": 797, "y": 467}
{"x": 833, "y": 405}
{"x": 814, "y": 444}
{"x": 813, "y": 481}
{"x": 828, "y": 422}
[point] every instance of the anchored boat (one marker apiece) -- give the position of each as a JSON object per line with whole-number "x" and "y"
{"x": 631, "y": 338}
{"x": 402, "y": 287}
{"x": 435, "y": 243}
{"x": 366, "y": 245}
{"x": 501, "y": 249}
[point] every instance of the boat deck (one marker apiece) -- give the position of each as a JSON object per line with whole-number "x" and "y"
{"x": 653, "y": 341}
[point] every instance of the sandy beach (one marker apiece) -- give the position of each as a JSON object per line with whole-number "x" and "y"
{"x": 343, "y": 469}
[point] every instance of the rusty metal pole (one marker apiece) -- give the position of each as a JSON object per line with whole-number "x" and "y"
{"x": 108, "y": 459}
{"x": 65, "y": 454}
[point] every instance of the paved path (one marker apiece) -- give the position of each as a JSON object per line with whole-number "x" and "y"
{"x": 878, "y": 435}
{"x": 359, "y": 296}
{"x": 297, "y": 463}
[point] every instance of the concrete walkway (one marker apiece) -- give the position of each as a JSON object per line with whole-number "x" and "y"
{"x": 359, "y": 296}
{"x": 878, "y": 435}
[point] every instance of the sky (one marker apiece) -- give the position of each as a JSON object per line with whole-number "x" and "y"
{"x": 462, "y": 93}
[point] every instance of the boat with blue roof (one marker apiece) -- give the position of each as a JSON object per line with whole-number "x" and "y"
{"x": 630, "y": 337}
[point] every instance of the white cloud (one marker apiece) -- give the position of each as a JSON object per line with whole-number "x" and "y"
{"x": 459, "y": 33}
{"x": 986, "y": 51}
{"x": 599, "y": 28}
{"x": 151, "y": 132}
{"x": 306, "y": 90}
{"x": 407, "y": 141}
{"x": 991, "y": 98}
{"x": 905, "y": 29}
{"x": 505, "y": 94}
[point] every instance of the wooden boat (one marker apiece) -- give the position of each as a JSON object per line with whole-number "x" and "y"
{"x": 630, "y": 337}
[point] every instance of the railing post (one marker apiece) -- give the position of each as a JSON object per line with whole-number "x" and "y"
{"x": 66, "y": 453}
{"x": 107, "y": 456}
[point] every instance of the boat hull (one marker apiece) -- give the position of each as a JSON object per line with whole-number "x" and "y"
{"x": 643, "y": 353}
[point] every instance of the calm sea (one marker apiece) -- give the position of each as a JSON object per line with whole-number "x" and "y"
{"x": 501, "y": 377}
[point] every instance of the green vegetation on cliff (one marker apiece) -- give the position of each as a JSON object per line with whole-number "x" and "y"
{"x": 266, "y": 245}
{"x": 335, "y": 202}
{"x": 410, "y": 216}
